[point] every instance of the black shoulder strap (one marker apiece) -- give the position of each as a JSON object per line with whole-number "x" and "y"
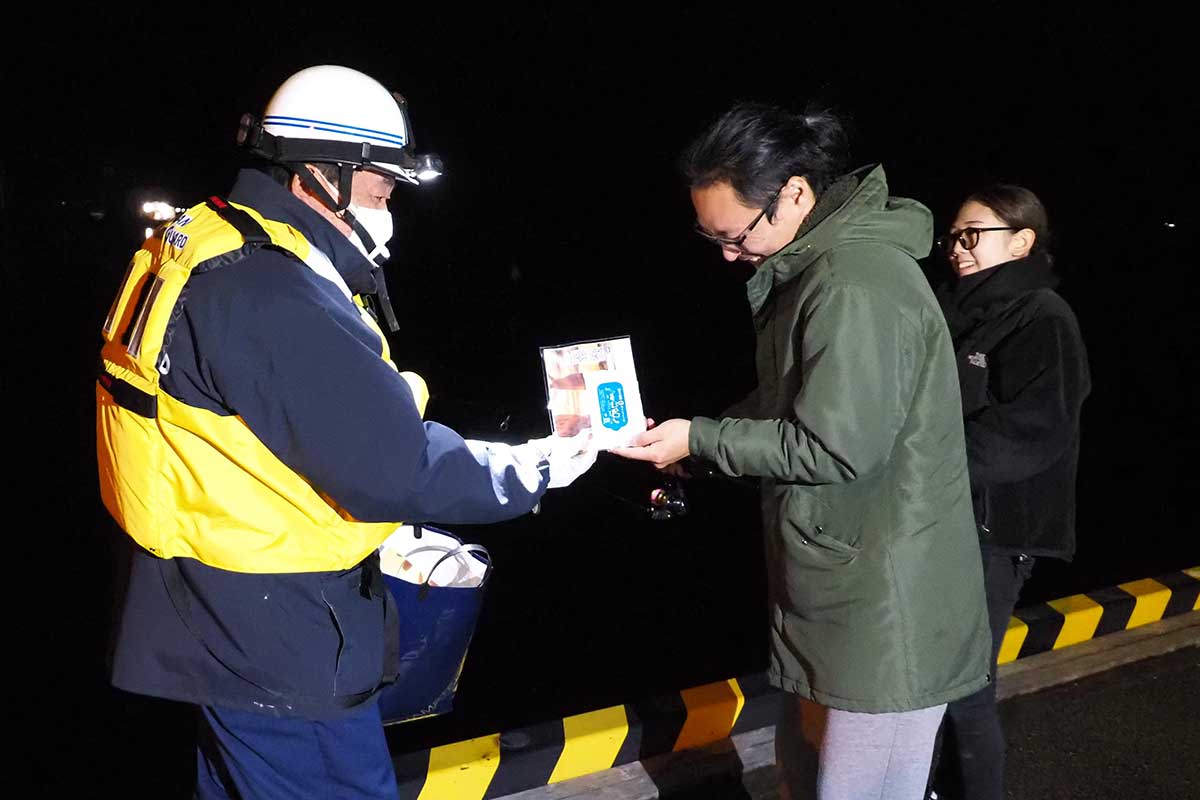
{"x": 128, "y": 396}
{"x": 245, "y": 224}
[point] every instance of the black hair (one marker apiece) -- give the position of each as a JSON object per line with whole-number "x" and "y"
{"x": 1018, "y": 207}
{"x": 283, "y": 175}
{"x": 755, "y": 147}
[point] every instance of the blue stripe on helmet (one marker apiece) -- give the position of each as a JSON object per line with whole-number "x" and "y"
{"x": 334, "y": 127}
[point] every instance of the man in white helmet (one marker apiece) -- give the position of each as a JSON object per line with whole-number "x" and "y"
{"x": 257, "y": 444}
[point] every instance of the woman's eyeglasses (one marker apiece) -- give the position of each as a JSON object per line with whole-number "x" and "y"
{"x": 967, "y": 237}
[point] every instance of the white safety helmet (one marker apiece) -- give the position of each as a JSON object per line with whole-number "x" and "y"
{"x": 336, "y": 115}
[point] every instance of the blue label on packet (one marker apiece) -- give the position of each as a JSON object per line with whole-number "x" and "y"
{"x": 611, "y": 399}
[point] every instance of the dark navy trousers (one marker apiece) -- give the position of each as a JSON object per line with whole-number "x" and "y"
{"x": 242, "y": 755}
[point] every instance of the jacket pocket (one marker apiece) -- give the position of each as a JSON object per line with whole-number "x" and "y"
{"x": 816, "y": 574}
{"x": 819, "y": 538}
{"x": 831, "y": 524}
{"x": 358, "y": 617}
{"x": 809, "y": 525}
{"x": 812, "y": 547}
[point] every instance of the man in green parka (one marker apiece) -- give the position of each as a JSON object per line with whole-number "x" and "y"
{"x": 855, "y": 430}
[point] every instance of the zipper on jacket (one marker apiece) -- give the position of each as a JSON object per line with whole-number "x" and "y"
{"x": 987, "y": 509}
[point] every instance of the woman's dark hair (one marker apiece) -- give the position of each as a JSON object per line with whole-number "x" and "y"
{"x": 756, "y": 147}
{"x": 1017, "y": 207}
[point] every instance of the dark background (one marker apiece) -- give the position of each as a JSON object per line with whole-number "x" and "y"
{"x": 562, "y": 217}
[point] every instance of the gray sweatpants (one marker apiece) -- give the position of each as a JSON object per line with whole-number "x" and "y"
{"x": 826, "y": 754}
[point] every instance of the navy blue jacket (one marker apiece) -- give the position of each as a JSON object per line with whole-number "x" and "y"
{"x": 270, "y": 340}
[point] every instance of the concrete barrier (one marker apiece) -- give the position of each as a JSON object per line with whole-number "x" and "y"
{"x": 551, "y": 752}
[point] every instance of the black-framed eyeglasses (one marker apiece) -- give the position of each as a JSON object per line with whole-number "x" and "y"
{"x": 736, "y": 242}
{"x": 967, "y": 237}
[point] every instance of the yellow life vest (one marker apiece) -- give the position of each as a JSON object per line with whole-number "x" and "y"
{"x": 185, "y": 481}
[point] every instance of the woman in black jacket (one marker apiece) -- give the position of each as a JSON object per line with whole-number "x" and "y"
{"x": 1023, "y": 375}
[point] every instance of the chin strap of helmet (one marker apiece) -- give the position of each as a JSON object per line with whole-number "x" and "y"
{"x": 294, "y": 154}
{"x": 382, "y": 304}
{"x": 384, "y": 301}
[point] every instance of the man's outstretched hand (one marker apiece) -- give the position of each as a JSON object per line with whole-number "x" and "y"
{"x": 661, "y": 445}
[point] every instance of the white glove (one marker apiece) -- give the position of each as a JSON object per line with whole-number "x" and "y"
{"x": 568, "y": 457}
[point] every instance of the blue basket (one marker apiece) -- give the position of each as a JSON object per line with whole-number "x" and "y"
{"x": 436, "y": 625}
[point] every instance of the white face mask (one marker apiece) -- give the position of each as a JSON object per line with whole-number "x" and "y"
{"x": 379, "y": 225}
{"x": 377, "y": 221}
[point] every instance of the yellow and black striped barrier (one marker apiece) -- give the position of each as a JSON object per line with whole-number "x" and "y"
{"x": 499, "y": 764}
{"x": 1070, "y": 620}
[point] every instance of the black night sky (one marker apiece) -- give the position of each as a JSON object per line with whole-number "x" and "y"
{"x": 561, "y": 216}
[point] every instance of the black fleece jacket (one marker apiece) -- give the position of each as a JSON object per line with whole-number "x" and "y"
{"x": 1023, "y": 373}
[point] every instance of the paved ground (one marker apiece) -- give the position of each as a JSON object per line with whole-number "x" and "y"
{"x": 1129, "y": 732}
{"x": 1132, "y": 732}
